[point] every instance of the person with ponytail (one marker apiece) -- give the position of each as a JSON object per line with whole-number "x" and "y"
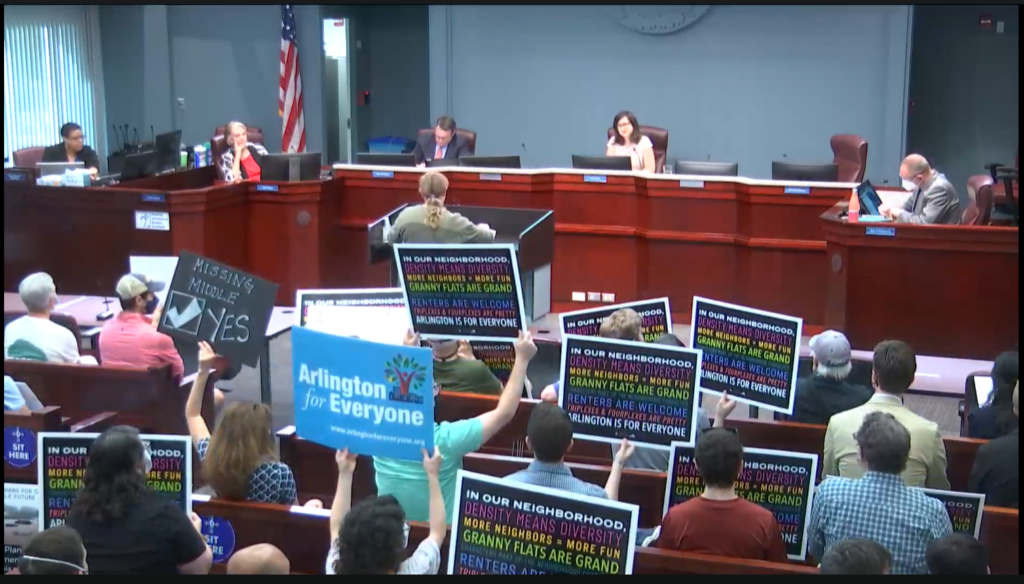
{"x": 431, "y": 222}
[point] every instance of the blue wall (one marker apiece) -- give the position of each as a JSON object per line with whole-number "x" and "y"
{"x": 223, "y": 60}
{"x": 747, "y": 84}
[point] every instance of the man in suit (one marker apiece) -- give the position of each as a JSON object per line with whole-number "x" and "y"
{"x": 996, "y": 472}
{"x": 444, "y": 144}
{"x": 933, "y": 199}
{"x": 894, "y": 368}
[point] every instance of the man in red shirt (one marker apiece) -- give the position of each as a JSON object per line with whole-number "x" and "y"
{"x": 130, "y": 339}
{"x": 719, "y": 522}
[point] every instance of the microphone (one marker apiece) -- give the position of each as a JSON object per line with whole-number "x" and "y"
{"x": 117, "y": 139}
{"x": 152, "y": 135}
{"x": 107, "y": 314}
{"x": 138, "y": 145}
{"x": 526, "y": 156}
{"x": 124, "y": 132}
{"x": 709, "y": 158}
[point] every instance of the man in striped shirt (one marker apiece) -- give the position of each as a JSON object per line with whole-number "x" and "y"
{"x": 549, "y": 436}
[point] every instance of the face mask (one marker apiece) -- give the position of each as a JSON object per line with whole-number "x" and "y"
{"x": 63, "y": 563}
{"x": 152, "y": 304}
{"x": 405, "y": 542}
{"x": 149, "y": 461}
{"x": 909, "y": 185}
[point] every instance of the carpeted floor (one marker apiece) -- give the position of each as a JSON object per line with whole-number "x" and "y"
{"x": 246, "y": 386}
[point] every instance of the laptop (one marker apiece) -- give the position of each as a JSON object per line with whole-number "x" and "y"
{"x": 870, "y": 202}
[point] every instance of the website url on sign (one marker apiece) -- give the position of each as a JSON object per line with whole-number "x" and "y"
{"x": 378, "y": 437}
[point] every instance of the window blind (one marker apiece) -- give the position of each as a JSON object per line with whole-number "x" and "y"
{"x": 48, "y": 75}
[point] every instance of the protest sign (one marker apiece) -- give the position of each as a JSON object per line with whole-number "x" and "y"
{"x": 965, "y": 509}
{"x": 499, "y": 357}
{"x": 372, "y": 314}
{"x": 625, "y": 389}
{"x": 21, "y": 520}
{"x": 750, "y": 353}
{"x": 371, "y": 398}
{"x": 213, "y": 302}
{"x": 782, "y": 482}
{"x": 63, "y": 457}
{"x": 467, "y": 292}
{"x": 503, "y": 527}
{"x": 656, "y": 315}
{"x": 19, "y": 446}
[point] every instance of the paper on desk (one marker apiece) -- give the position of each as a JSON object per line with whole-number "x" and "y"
{"x": 159, "y": 268}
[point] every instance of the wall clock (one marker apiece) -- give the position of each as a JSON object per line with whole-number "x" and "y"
{"x": 653, "y": 19}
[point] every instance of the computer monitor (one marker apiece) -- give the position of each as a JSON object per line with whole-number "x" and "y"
{"x": 291, "y": 167}
{"x": 707, "y": 168}
{"x": 367, "y": 159}
{"x": 870, "y": 202}
{"x": 139, "y": 165}
{"x": 442, "y": 163}
{"x": 490, "y": 161}
{"x": 805, "y": 172}
{"x": 168, "y": 151}
{"x": 602, "y": 162}
{"x": 52, "y": 168}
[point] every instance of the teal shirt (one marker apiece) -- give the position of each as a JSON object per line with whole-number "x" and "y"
{"x": 406, "y": 480}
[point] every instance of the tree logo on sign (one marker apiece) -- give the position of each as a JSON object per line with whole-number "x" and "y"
{"x": 407, "y": 377}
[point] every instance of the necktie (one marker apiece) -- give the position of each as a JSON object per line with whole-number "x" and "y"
{"x": 438, "y": 155}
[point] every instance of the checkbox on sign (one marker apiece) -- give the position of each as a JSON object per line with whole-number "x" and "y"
{"x": 184, "y": 312}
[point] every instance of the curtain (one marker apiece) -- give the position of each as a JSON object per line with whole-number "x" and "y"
{"x": 49, "y": 77}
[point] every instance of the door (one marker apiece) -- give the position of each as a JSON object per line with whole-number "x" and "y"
{"x": 338, "y": 90}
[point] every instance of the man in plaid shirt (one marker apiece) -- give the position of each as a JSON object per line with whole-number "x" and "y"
{"x": 879, "y": 506}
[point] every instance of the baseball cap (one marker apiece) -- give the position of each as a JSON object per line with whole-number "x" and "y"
{"x": 831, "y": 348}
{"x": 133, "y": 285}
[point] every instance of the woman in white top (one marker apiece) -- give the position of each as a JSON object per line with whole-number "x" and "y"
{"x": 629, "y": 141}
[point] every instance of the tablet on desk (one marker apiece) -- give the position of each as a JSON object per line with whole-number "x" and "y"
{"x": 870, "y": 202}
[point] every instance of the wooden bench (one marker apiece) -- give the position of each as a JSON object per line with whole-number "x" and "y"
{"x": 643, "y": 488}
{"x": 304, "y": 537}
{"x": 789, "y": 436}
{"x": 148, "y": 399}
{"x": 49, "y": 419}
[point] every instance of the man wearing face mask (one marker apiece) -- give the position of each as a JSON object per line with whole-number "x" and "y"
{"x": 131, "y": 339}
{"x": 933, "y": 199}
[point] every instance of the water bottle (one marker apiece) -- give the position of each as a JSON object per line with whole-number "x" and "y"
{"x": 200, "y": 156}
{"x": 209, "y": 153}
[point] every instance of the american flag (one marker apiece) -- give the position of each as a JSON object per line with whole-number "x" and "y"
{"x": 293, "y": 138}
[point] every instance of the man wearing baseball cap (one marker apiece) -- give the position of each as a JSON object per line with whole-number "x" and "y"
{"x": 827, "y": 392}
{"x": 130, "y": 339}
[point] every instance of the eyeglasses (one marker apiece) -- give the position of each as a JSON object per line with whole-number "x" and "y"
{"x": 79, "y": 138}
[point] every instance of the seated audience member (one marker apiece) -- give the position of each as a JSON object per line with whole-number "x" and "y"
{"x": 933, "y": 199}
{"x": 957, "y": 554}
{"x": 126, "y": 527}
{"x": 371, "y": 537}
{"x": 443, "y": 144}
{"x": 456, "y": 370}
{"x": 242, "y": 159}
{"x": 35, "y": 332}
{"x": 259, "y": 560}
{"x": 719, "y": 522}
{"x": 431, "y": 222}
{"x": 404, "y": 479}
{"x": 240, "y": 459}
{"x": 629, "y": 141}
{"x": 827, "y": 392}
{"x": 13, "y": 400}
{"x": 860, "y": 557}
{"x": 626, "y": 325}
{"x": 72, "y": 148}
{"x": 130, "y": 339}
{"x": 549, "y": 436}
{"x": 996, "y": 471}
{"x": 996, "y": 417}
{"x": 57, "y": 551}
{"x": 879, "y": 506}
{"x": 894, "y": 368}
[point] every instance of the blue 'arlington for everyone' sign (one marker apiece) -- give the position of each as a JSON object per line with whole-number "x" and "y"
{"x": 371, "y": 398}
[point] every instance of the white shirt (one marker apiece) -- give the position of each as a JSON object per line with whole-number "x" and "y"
{"x": 56, "y": 341}
{"x": 635, "y": 152}
{"x": 426, "y": 560}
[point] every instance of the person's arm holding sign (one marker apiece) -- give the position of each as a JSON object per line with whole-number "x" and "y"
{"x": 438, "y": 515}
{"x": 611, "y": 488}
{"x": 194, "y": 406}
{"x": 508, "y": 403}
{"x": 343, "y": 494}
{"x": 724, "y": 407}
